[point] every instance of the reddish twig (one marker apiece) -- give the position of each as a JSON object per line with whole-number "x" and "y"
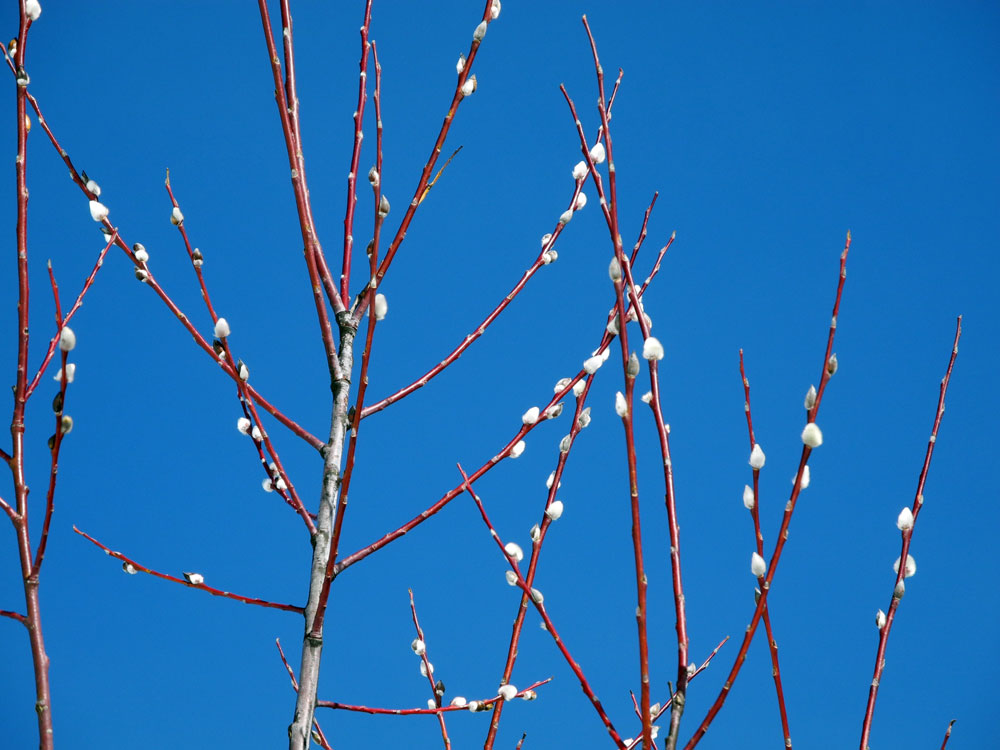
{"x": 200, "y": 586}
{"x": 428, "y": 671}
{"x": 828, "y": 368}
{"x": 361, "y": 302}
{"x": 15, "y": 616}
{"x": 772, "y": 644}
{"x": 540, "y": 606}
{"x": 906, "y": 532}
{"x": 947, "y": 734}
{"x": 474, "y": 706}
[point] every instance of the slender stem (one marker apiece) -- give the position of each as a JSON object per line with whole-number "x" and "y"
{"x": 907, "y": 536}
{"x": 426, "y": 661}
{"x": 947, "y": 734}
{"x": 481, "y": 705}
{"x": 540, "y": 606}
{"x": 759, "y": 539}
{"x": 786, "y": 520}
{"x": 317, "y": 730}
{"x": 140, "y": 568}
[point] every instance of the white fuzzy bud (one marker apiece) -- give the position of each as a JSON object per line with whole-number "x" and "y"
{"x": 473, "y": 706}
{"x": 593, "y": 364}
{"x": 511, "y": 577}
{"x": 529, "y": 695}
{"x": 535, "y": 533}
{"x": 880, "y": 619}
{"x": 621, "y": 407}
{"x": 565, "y": 443}
{"x": 565, "y": 216}
{"x": 256, "y": 434}
{"x": 561, "y": 384}
{"x": 98, "y": 211}
{"x": 812, "y": 436}
{"x": 549, "y": 256}
{"x": 580, "y": 170}
{"x": 67, "y": 339}
{"x": 536, "y": 596}
{"x": 194, "y": 578}
{"x": 70, "y": 373}
{"x": 373, "y": 177}
{"x": 426, "y": 668}
{"x": 550, "y": 480}
{"x": 555, "y": 410}
{"x": 806, "y": 477}
{"x": 459, "y": 701}
{"x": 243, "y": 425}
{"x": 470, "y": 85}
{"x": 911, "y": 566}
{"x": 810, "y": 401}
{"x": 460, "y": 65}
{"x": 513, "y": 550}
{"x": 176, "y": 217}
{"x": 647, "y": 397}
{"x": 140, "y": 253}
{"x": 757, "y": 457}
{"x": 831, "y": 364}
{"x": 598, "y": 154}
{"x": 494, "y": 10}
{"x": 518, "y": 449}
{"x": 507, "y": 692}
{"x": 748, "y": 498}
{"x": 555, "y": 510}
{"x": 584, "y": 419}
{"x": 381, "y": 306}
{"x": 480, "y": 32}
{"x": 578, "y": 387}
{"x": 222, "y": 328}
{"x": 267, "y": 485}
{"x": 581, "y": 201}
{"x": 94, "y": 188}
{"x": 612, "y": 326}
{"x": 614, "y": 270}
{"x": 904, "y": 522}
{"x": 545, "y": 238}
{"x": 419, "y": 647}
{"x": 757, "y": 565}
{"x": 652, "y": 349}
{"x": 530, "y": 416}
{"x": 383, "y": 202}
{"x": 129, "y": 568}
{"x": 243, "y": 372}
{"x": 431, "y": 704}
{"x": 32, "y": 9}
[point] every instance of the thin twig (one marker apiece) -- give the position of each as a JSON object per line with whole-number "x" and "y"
{"x": 480, "y": 705}
{"x": 318, "y": 731}
{"x": 138, "y": 567}
{"x": 428, "y": 672}
{"x": 899, "y": 586}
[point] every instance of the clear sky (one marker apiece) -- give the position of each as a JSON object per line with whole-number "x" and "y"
{"x": 770, "y": 129}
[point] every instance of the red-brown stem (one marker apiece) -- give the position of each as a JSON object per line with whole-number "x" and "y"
{"x": 296, "y": 429}
{"x": 15, "y": 616}
{"x": 785, "y": 521}
{"x": 520, "y": 742}
{"x": 292, "y": 497}
{"x": 352, "y": 174}
{"x": 540, "y": 606}
{"x": 907, "y": 537}
{"x": 484, "y": 705}
{"x": 947, "y": 734}
{"x": 319, "y": 736}
{"x": 755, "y": 513}
{"x": 33, "y": 615}
{"x": 199, "y": 586}
{"x": 69, "y": 316}
{"x": 425, "y": 659}
{"x": 361, "y": 302}
{"x": 293, "y": 147}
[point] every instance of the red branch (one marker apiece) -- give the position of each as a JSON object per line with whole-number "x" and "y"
{"x": 772, "y": 644}
{"x": 480, "y": 705}
{"x": 540, "y": 606}
{"x": 947, "y": 734}
{"x": 828, "y": 368}
{"x": 429, "y": 672}
{"x": 200, "y": 586}
{"x": 907, "y": 535}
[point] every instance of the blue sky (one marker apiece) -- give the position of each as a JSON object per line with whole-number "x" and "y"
{"x": 768, "y": 129}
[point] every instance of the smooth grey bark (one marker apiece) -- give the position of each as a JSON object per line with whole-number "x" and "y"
{"x": 300, "y": 730}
